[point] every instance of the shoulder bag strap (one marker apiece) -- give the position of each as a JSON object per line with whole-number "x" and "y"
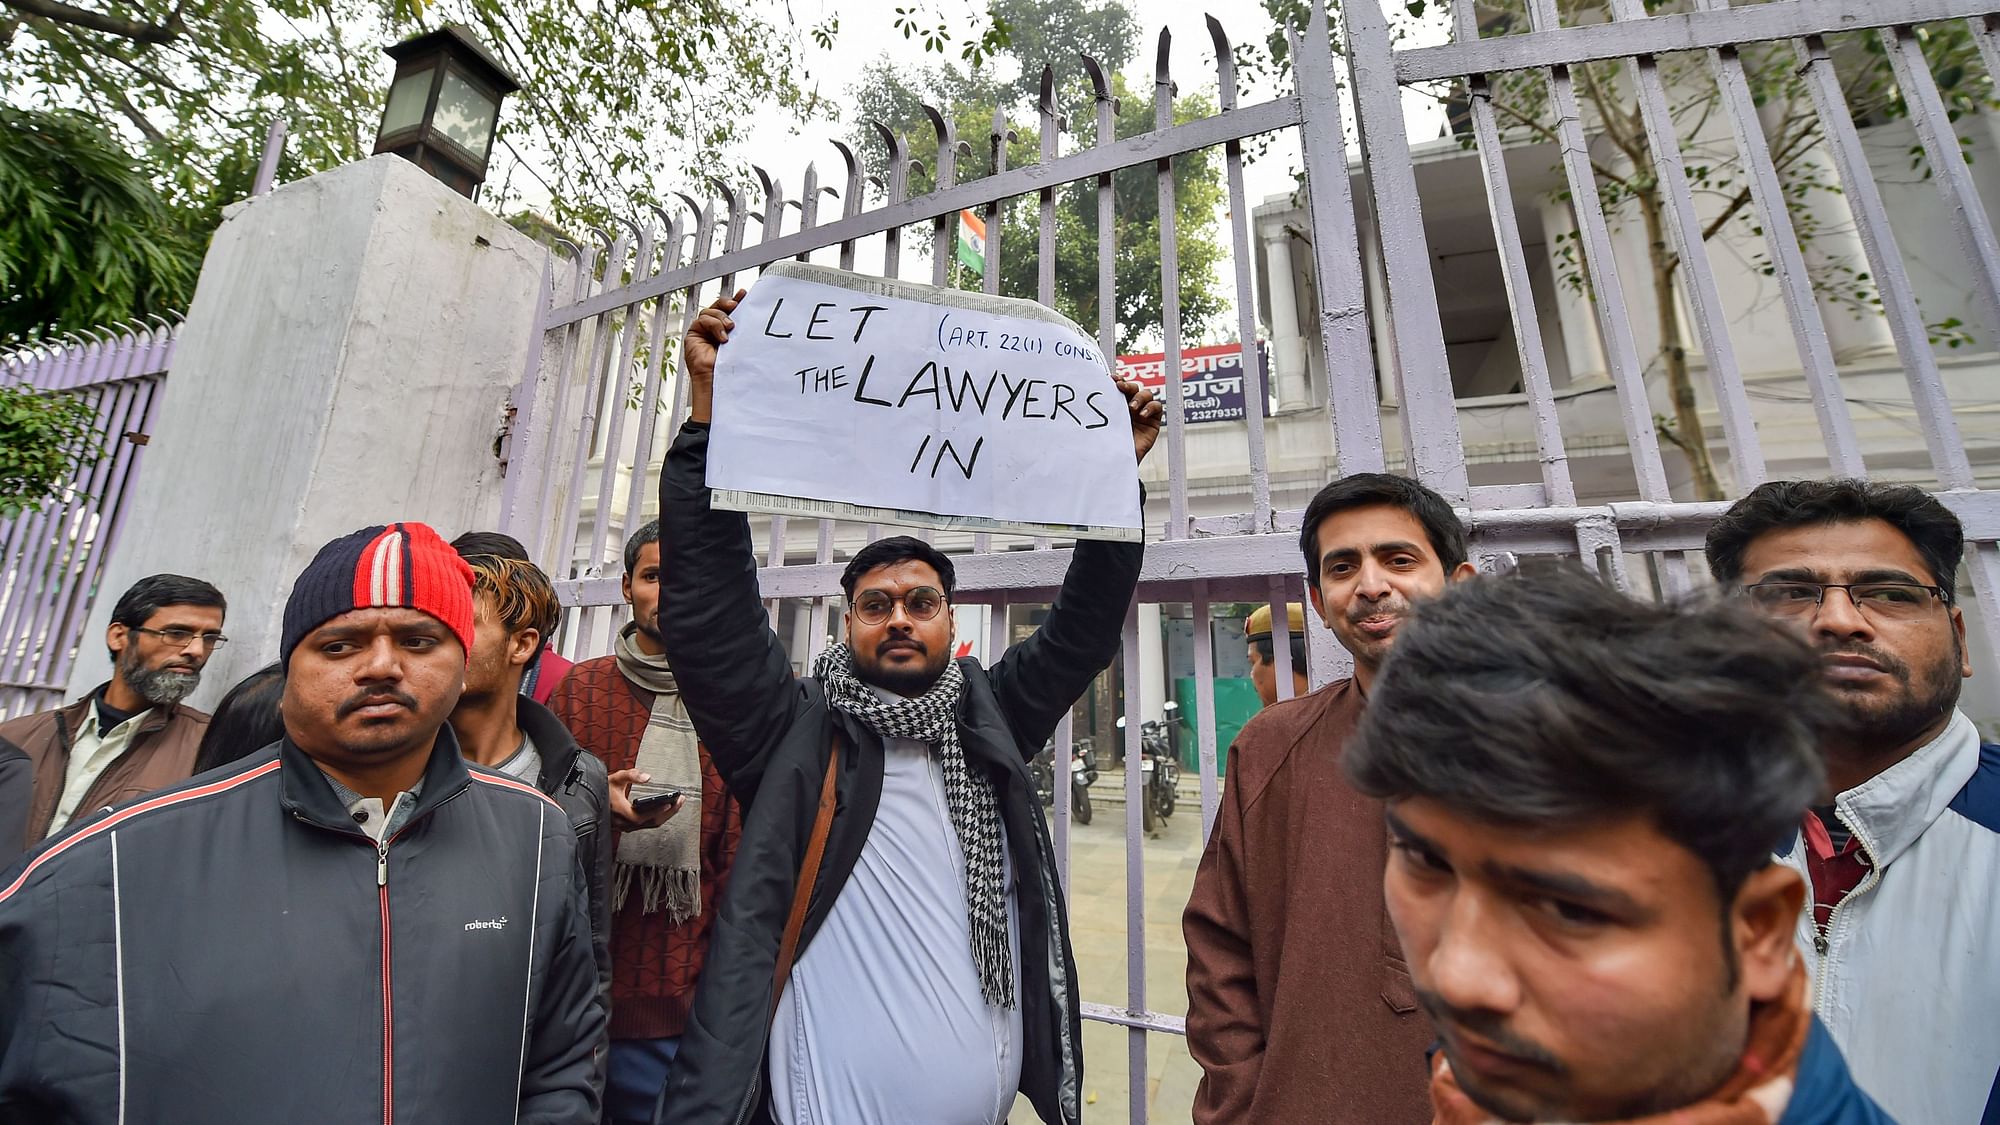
{"x": 808, "y": 876}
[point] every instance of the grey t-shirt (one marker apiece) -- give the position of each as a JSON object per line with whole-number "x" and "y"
{"x": 526, "y": 764}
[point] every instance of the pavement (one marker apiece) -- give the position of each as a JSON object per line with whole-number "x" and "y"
{"x": 1097, "y": 931}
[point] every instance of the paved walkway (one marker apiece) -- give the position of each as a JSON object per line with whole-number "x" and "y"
{"x": 1097, "y": 930}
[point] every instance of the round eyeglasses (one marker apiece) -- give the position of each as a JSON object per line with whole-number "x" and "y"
{"x": 874, "y": 607}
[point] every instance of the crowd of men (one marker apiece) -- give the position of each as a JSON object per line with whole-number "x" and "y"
{"x": 1549, "y": 854}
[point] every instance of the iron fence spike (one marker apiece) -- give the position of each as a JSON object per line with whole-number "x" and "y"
{"x": 1225, "y": 64}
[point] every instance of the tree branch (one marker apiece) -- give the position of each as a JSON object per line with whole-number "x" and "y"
{"x": 139, "y": 32}
{"x": 117, "y": 95}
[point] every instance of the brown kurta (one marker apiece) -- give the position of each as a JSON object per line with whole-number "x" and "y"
{"x": 1300, "y": 1007}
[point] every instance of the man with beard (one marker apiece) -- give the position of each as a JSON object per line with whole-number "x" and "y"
{"x": 893, "y": 946}
{"x": 1299, "y": 1005}
{"x": 626, "y": 710}
{"x": 349, "y": 926}
{"x": 130, "y": 736}
{"x": 1903, "y": 845}
{"x": 1580, "y": 792}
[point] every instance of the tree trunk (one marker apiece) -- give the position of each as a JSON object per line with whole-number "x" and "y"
{"x": 1687, "y": 433}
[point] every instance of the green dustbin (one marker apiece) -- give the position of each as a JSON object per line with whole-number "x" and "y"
{"x": 1235, "y": 701}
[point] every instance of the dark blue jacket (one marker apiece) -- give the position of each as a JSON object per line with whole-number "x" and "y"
{"x": 236, "y": 949}
{"x": 1825, "y": 1094}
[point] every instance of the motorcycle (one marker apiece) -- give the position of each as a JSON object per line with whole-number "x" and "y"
{"x": 1160, "y": 766}
{"x": 1162, "y": 770}
{"x": 1082, "y": 773}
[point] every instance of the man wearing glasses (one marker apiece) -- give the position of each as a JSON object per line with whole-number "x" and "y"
{"x": 892, "y": 946}
{"x": 131, "y": 735}
{"x": 1903, "y": 855}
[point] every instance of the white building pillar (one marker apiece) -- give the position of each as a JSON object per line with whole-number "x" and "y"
{"x": 1288, "y": 347}
{"x": 1583, "y": 346}
{"x": 352, "y": 344}
{"x": 1152, "y": 663}
{"x": 1855, "y": 334}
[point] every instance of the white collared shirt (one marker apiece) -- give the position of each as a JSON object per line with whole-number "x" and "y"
{"x": 88, "y": 755}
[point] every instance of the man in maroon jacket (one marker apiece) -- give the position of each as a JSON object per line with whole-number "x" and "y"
{"x": 1299, "y": 1003}
{"x": 625, "y": 708}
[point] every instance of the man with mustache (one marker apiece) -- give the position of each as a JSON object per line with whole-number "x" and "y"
{"x": 1299, "y": 1006}
{"x": 1903, "y": 845}
{"x": 350, "y": 926}
{"x": 1580, "y": 791}
{"x": 893, "y": 946}
{"x": 131, "y": 735}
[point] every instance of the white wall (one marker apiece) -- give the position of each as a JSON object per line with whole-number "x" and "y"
{"x": 352, "y": 342}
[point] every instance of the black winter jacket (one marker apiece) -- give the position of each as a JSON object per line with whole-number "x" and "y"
{"x": 769, "y": 732}
{"x": 580, "y": 784}
{"x": 234, "y": 948}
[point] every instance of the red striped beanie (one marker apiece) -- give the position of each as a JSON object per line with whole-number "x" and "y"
{"x": 405, "y": 565}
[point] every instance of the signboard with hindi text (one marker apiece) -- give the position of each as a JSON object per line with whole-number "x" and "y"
{"x": 853, "y": 397}
{"x": 1213, "y": 387}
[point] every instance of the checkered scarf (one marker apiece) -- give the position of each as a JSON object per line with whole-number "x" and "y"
{"x": 932, "y": 718}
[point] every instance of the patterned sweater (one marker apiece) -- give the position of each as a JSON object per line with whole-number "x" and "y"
{"x": 654, "y": 965}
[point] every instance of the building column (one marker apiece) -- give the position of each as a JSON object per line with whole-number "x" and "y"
{"x": 1855, "y": 334}
{"x": 1152, "y": 663}
{"x": 353, "y": 340}
{"x": 1583, "y": 346}
{"x": 1288, "y": 347}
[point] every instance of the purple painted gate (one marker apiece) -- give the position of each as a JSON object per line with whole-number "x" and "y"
{"x": 51, "y": 560}
{"x": 602, "y": 395}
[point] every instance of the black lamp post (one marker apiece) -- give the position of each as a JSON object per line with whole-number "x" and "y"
{"x": 444, "y": 106}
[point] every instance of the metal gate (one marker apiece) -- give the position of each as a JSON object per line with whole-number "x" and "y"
{"x": 51, "y": 560}
{"x": 583, "y": 459}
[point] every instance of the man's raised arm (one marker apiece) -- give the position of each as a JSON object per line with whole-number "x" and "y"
{"x": 734, "y": 676}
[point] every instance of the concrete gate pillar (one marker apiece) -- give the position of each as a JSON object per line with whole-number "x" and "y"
{"x": 351, "y": 348}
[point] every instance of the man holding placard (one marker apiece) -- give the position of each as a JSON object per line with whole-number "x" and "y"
{"x": 893, "y": 945}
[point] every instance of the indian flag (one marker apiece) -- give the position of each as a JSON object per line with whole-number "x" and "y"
{"x": 971, "y": 241}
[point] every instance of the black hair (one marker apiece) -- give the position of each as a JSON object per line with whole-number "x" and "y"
{"x": 1780, "y": 505}
{"x": 1554, "y": 701}
{"x": 649, "y": 532}
{"x": 893, "y": 550}
{"x": 155, "y": 592}
{"x": 1267, "y": 650}
{"x": 496, "y": 544}
{"x": 1368, "y": 490}
{"x": 245, "y": 721}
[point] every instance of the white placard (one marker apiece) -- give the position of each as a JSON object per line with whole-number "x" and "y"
{"x": 888, "y": 401}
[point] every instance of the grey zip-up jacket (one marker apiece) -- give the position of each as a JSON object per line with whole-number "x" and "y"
{"x": 235, "y": 948}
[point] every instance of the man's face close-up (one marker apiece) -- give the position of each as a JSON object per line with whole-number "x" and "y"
{"x": 160, "y": 669}
{"x": 1574, "y": 975}
{"x": 1893, "y": 656}
{"x": 900, "y": 627}
{"x": 370, "y": 684}
{"x": 1375, "y": 562}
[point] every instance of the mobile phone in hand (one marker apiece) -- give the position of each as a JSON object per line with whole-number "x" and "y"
{"x": 651, "y": 800}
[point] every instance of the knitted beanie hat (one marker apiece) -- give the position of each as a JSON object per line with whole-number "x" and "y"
{"x": 401, "y": 565}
